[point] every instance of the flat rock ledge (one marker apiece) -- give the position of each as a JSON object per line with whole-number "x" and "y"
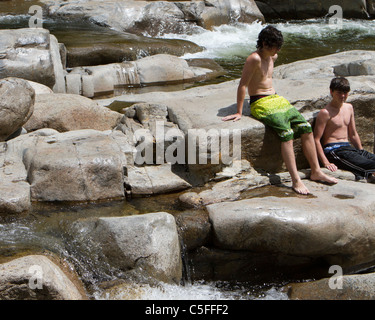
{"x": 336, "y": 224}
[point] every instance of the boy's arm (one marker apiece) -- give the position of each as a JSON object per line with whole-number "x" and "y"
{"x": 352, "y": 131}
{"x": 320, "y": 125}
{"x": 247, "y": 73}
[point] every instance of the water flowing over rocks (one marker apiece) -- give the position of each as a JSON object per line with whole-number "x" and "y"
{"x": 81, "y": 151}
{"x": 36, "y": 277}
{"x": 158, "y": 69}
{"x": 34, "y": 54}
{"x": 157, "y": 17}
{"x": 147, "y": 243}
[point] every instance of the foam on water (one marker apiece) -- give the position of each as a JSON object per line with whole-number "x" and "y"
{"x": 196, "y": 291}
{"x": 239, "y": 39}
{"x": 223, "y": 41}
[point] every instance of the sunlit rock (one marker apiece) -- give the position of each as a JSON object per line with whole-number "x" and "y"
{"x": 32, "y": 54}
{"x": 36, "y": 277}
{"x": 16, "y": 106}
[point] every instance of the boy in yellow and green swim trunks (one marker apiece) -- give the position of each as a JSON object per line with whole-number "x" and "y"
{"x": 276, "y": 112}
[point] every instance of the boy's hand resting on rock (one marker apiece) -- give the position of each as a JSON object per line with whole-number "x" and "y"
{"x": 234, "y": 117}
{"x": 331, "y": 167}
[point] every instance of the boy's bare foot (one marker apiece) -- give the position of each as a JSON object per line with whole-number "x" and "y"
{"x": 300, "y": 188}
{"x": 320, "y": 176}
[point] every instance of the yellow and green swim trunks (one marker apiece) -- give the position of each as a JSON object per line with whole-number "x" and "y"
{"x": 277, "y": 113}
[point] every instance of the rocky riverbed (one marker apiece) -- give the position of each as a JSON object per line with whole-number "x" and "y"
{"x": 238, "y": 214}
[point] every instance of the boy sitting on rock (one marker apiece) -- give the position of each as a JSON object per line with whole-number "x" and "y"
{"x": 274, "y": 110}
{"x": 335, "y": 129}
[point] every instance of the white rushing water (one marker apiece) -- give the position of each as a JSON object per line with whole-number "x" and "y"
{"x": 197, "y": 291}
{"x": 238, "y": 40}
{"x": 208, "y": 291}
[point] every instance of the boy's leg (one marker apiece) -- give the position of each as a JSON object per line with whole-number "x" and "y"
{"x": 280, "y": 116}
{"x": 289, "y": 158}
{"x": 309, "y": 150}
{"x": 360, "y": 162}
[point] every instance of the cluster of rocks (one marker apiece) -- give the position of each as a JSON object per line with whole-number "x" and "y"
{"x": 35, "y": 54}
{"x": 222, "y": 242}
{"x": 73, "y": 148}
{"x": 66, "y": 159}
{"x": 154, "y": 70}
{"x": 161, "y": 17}
{"x": 157, "y": 17}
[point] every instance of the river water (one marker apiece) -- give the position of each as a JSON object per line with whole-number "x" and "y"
{"x": 46, "y": 228}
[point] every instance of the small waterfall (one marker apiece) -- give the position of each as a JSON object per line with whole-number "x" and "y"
{"x": 126, "y": 74}
{"x": 186, "y": 268}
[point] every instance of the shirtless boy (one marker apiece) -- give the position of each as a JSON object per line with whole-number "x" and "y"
{"x": 335, "y": 129}
{"x": 274, "y": 110}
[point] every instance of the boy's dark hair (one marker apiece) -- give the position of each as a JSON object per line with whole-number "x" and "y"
{"x": 271, "y": 37}
{"x": 340, "y": 84}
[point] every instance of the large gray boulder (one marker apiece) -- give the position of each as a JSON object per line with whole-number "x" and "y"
{"x": 335, "y": 225}
{"x": 46, "y": 165}
{"x": 32, "y": 54}
{"x": 66, "y": 112}
{"x": 36, "y": 277}
{"x": 147, "y": 244}
{"x": 157, "y": 17}
{"x": 75, "y": 166}
{"x": 16, "y": 106}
